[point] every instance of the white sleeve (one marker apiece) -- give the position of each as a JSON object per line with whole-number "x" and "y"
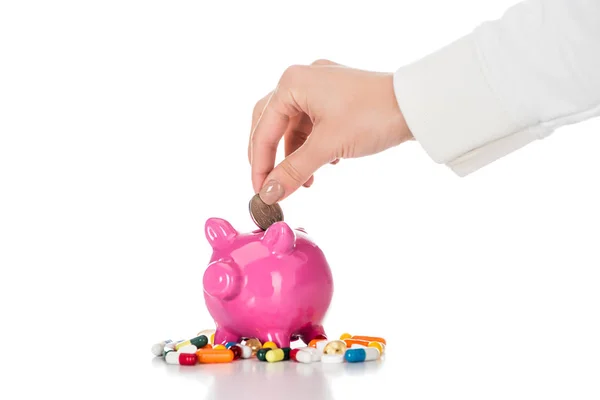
{"x": 508, "y": 83}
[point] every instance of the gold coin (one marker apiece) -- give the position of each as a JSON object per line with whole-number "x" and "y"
{"x": 264, "y": 215}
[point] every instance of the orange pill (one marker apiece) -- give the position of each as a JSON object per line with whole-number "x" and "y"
{"x": 350, "y": 342}
{"x": 207, "y": 346}
{"x": 370, "y": 338}
{"x": 212, "y": 356}
{"x": 313, "y": 343}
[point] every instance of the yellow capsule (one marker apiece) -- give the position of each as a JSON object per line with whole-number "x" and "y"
{"x": 335, "y": 347}
{"x": 219, "y": 347}
{"x": 344, "y": 336}
{"x": 269, "y": 345}
{"x": 254, "y": 344}
{"x": 212, "y": 338}
{"x": 378, "y": 345}
{"x": 275, "y": 355}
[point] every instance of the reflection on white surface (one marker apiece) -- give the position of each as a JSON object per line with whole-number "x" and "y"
{"x": 253, "y": 379}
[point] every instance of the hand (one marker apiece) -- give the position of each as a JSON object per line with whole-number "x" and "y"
{"x": 325, "y": 112}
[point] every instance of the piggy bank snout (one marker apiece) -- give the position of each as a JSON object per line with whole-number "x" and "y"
{"x": 222, "y": 280}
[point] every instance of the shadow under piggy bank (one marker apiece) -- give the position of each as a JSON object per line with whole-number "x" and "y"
{"x": 252, "y": 379}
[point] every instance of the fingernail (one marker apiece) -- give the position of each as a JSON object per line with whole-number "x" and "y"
{"x": 271, "y": 192}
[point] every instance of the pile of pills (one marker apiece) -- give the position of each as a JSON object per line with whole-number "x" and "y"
{"x": 202, "y": 350}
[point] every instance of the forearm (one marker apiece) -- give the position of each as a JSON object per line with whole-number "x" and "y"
{"x": 508, "y": 83}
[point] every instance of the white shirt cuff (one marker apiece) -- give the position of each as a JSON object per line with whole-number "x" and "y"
{"x": 454, "y": 113}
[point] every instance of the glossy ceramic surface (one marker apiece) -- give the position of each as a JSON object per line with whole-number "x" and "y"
{"x": 275, "y": 285}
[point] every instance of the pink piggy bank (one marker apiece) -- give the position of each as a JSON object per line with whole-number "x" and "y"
{"x": 274, "y": 285}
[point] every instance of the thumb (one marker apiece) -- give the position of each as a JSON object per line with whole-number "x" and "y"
{"x": 294, "y": 171}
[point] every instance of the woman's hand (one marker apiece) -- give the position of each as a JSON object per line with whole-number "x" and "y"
{"x": 325, "y": 112}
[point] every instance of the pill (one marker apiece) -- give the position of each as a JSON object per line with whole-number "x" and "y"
{"x": 335, "y": 347}
{"x": 276, "y": 355}
{"x": 352, "y": 342}
{"x": 189, "y": 349}
{"x": 207, "y": 346}
{"x": 246, "y": 351}
{"x": 219, "y": 347}
{"x": 237, "y": 352}
{"x": 270, "y": 345}
{"x": 212, "y": 338}
{"x": 210, "y": 356}
{"x": 261, "y": 354}
{"x": 378, "y": 345}
{"x": 308, "y": 355}
{"x": 293, "y": 353}
{"x": 369, "y": 338}
{"x": 321, "y": 345}
{"x": 313, "y": 343}
{"x": 332, "y": 358}
{"x": 345, "y": 336}
{"x": 229, "y": 344}
{"x": 254, "y": 344}
{"x": 157, "y": 348}
{"x": 177, "y": 358}
{"x": 359, "y": 355}
{"x": 198, "y": 341}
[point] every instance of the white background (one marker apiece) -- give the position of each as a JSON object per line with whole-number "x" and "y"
{"x": 124, "y": 126}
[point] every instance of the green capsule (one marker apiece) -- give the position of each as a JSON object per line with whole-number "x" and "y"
{"x": 199, "y": 341}
{"x": 261, "y": 354}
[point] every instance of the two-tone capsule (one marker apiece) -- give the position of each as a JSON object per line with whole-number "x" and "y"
{"x": 198, "y": 341}
{"x": 361, "y": 354}
{"x": 177, "y": 358}
{"x": 306, "y": 355}
{"x": 261, "y": 354}
{"x": 276, "y": 355}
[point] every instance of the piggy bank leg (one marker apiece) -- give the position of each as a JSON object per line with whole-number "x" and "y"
{"x": 312, "y": 332}
{"x": 223, "y": 336}
{"x": 279, "y": 337}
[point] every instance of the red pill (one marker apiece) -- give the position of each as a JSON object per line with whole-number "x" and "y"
{"x": 188, "y": 359}
{"x": 293, "y": 353}
{"x": 237, "y": 351}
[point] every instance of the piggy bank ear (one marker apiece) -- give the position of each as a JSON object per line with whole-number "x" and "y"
{"x": 219, "y": 233}
{"x": 279, "y": 238}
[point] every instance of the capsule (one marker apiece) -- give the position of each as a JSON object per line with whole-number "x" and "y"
{"x": 177, "y": 358}
{"x": 219, "y": 347}
{"x": 322, "y": 344}
{"x": 332, "y": 358}
{"x": 379, "y": 346}
{"x": 237, "y": 352}
{"x": 246, "y": 351}
{"x": 335, "y": 347}
{"x": 270, "y": 345}
{"x": 229, "y": 344}
{"x": 198, "y": 341}
{"x": 189, "y": 349}
{"x": 276, "y": 355}
{"x": 212, "y": 338}
{"x": 157, "y": 348}
{"x": 352, "y": 342}
{"x": 369, "y": 338}
{"x": 360, "y": 355}
{"x": 307, "y": 355}
{"x": 207, "y": 346}
{"x": 261, "y": 354}
{"x": 212, "y": 356}
{"x": 344, "y": 336}
{"x": 254, "y": 344}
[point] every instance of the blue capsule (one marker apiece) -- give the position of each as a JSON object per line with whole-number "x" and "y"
{"x": 229, "y": 344}
{"x": 362, "y": 354}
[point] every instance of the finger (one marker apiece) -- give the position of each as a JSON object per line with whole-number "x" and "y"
{"x": 256, "y": 113}
{"x": 296, "y": 134}
{"x": 337, "y": 160}
{"x": 309, "y": 182}
{"x": 273, "y": 122}
{"x": 293, "y": 172}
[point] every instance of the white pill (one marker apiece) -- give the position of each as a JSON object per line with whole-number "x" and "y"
{"x": 321, "y": 345}
{"x": 332, "y": 358}
{"x": 372, "y": 353}
{"x": 308, "y": 355}
{"x": 172, "y": 357}
{"x": 157, "y": 348}
{"x": 188, "y": 349}
{"x": 246, "y": 351}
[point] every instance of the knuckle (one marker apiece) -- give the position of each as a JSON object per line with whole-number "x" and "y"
{"x": 322, "y": 61}
{"x": 292, "y": 172}
{"x": 291, "y": 73}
